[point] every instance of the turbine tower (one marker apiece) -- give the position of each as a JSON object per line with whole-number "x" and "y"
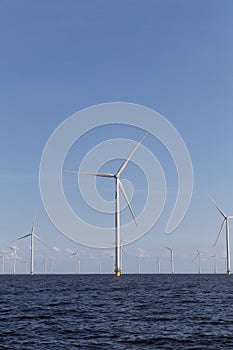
{"x": 44, "y": 262}
{"x": 172, "y": 259}
{"x": 33, "y": 236}
{"x": 3, "y": 262}
{"x": 198, "y": 255}
{"x": 215, "y": 262}
{"x": 15, "y": 258}
{"x": 118, "y": 188}
{"x": 138, "y": 264}
{"x": 77, "y": 269}
{"x": 226, "y": 223}
{"x": 158, "y": 265}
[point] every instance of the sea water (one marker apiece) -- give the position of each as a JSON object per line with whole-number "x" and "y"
{"x": 107, "y": 312}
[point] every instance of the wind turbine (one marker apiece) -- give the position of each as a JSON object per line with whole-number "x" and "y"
{"x": 225, "y": 222}
{"x": 15, "y": 258}
{"x": 51, "y": 264}
{"x": 33, "y": 236}
{"x": 3, "y": 262}
{"x": 158, "y": 264}
{"x": 198, "y": 255}
{"x": 44, "y": 262}
{"x": 138, "y": 264}
{"x": 215, "y": 262}
{"x": 118, "y": 188}
{"x": 26, "y": 264}
{"x": 172, "y": 258}
{"x": 100, "y": 267}
{"x": 77, "y": 270}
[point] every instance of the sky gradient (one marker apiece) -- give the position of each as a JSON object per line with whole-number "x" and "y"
{"x": 174, "y": 56}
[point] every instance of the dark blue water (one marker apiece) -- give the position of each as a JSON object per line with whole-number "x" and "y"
{"x": 105, "y": 312}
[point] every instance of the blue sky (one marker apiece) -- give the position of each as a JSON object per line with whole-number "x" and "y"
{"x": 174, "y": 56}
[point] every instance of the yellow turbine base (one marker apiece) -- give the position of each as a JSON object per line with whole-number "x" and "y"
{"x": 228, "y": 272}
{"x": 118, "y": 273}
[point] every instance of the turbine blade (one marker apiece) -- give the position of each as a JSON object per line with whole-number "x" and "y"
{"x": 219, "y": 209}
{"x": 122, "y": 167}
{"x": 33, "y": 225}
{"x": 230, "y": 217}
{"x": 221, "y": 228}
{"x": 127, "y": 201}
{"x": 87, "y": 173}
{"x": 28, "y": 235}
{"x": 13, "y": 248}
{"x": 76, "y": 253}
{"x": 167, "y": 247}
{"x": 123, "y": 251}
{"x": 39, "y": 239}
{"x": 196, "y": 256}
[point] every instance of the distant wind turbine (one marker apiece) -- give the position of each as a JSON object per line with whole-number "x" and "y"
{"x": 3, "y": 262}
{"x": 172, "y": 258}
{"x": 198, "y": 256}
{"x": 26, "y": 264}
{"x": 51, "y": 264}
{"x": 15, "y": 258}
{"x": 158, "y": 264}
{"x": 33, "y": 236}
{"x": 226, "y": 223}
{"x": 100, "y": 267}
{"x": 77, "y": 269}
{"x": 215, "y": 262}
{"x": 44, "y": 262}
{"x": 118, "y": 188}
{"x": 138, "y": 264}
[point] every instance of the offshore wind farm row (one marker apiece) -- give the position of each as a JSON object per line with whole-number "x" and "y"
{"x": 17, "y": 260}
{"x": 11, "y": 257}
{"x": 118, "y": 249}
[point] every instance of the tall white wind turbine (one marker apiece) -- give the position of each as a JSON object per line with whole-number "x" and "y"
{"x": 33, "y": 236}
{"x": 172, "y": 258}
{"x": 118, "y": 188}
{"x": 226, "y": 223}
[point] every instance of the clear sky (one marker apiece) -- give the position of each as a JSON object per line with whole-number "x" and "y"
{"x": 174, "y": 56}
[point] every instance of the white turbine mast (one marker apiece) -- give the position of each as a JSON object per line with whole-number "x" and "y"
{"x": 158, "y": 264}
{"x": 3, "y": 262}
{"x": 26, "y": 264}
{"x": 226, "y": 223}
{"x": 215, "y": 262}
{"x": 44, "y": 263}
{"x": 172, "y": 259}
{"x": 77, "y": 263}
{"x": 198, "y": 256}
{"x": 118, "y": 188}
{"x": 138, "y": 258}
{"x": 14, "y": 249}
